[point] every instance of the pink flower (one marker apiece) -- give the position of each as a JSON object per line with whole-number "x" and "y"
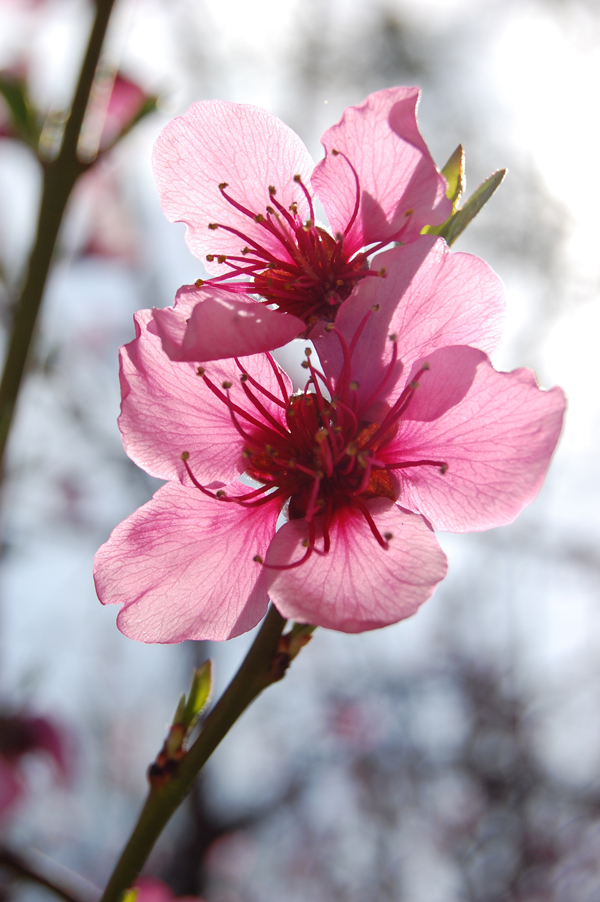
{"x": 243, "y": 183}
{"x": 151, "y": 889}
{"x": 19, "y": 736}
{"x": 418, "y": 427}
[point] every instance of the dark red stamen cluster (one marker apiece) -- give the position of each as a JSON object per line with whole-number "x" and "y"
{"x": 320, "y": 457}
{"x": 311, "y": 275}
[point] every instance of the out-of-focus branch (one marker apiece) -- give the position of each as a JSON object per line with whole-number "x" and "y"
{"x": 21, "y": 868}
{"x": 60, "y": 176}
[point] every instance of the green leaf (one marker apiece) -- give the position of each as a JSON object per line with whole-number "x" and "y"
{"x": 199, "y": 693}
{"x": 458, "y": 222}
{"x": 454, "y": 173}
{"x": 22, "y": 113}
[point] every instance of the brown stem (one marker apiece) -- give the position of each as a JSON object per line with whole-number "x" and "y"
{"x": 60, "y": 176}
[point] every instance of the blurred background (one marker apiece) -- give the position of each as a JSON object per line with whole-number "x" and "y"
{"x": 454, "y": 757}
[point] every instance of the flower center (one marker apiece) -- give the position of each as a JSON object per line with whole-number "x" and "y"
{"x": 319, "y": 456}
{"x": 308, "y": 274}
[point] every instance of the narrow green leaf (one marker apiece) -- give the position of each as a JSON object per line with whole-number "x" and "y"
{"x": 199, "y": 693}
{"x": 14, "y": 91}
{"x": 178, "y": 718}
{"x": 454, "y": 173}
{"x": 461, "y": 219}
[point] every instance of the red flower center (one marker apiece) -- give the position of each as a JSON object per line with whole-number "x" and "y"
{"x": 322, "y": 456}
{"x": 311, "y": 275}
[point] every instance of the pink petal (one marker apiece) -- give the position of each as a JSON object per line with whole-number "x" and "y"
{"x": 242, "y": 145}
{"x": 167, "y": 409}
{"x": 182, "y": 566}
{"x": 400, "y": 188}
{"x": 497, "y": 441}
{"x": 222, "y": 324}
{"x": 126, "y": 100}
{"x": 358, "y": 585}
{"x": 430, "y": 298}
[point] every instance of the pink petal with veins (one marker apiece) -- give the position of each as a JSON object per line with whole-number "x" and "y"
{"x": 167, "y": 409}
{"x": 495, "y": 432}
{"x": 182, "y": 565}
{"x": 430, "y": 298}
{"x": 244, "y": 146}
{"x": 400, "y": 188}
{"x": 222, "y": 324}
{"x": 358, "y": 585}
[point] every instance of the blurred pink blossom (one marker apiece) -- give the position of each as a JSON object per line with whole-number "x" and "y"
{"x": 245, "y": 185}
{"x": 151, "y": 889}
{"x": 19, "y": 736}
{"x": 418, "y": 430}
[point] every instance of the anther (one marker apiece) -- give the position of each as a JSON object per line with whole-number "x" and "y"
{"x": 393, "y": 337}
{"x": 376, "y": 308}
{"x": 321, "y": 436}
{"x": 308, "y": 351}
{"x": 334, "y": 152}
{"x": 305, "y": 543}
{"x": 443, "y": 468}
{"x": 298, "y": 179}
{"x": 414, "y": 384}
{"x": 246, "y": 453}
{"x": 272, "y": 190}
{"x": 223, "y": 185}
{"x": 199, "y": 283}
{"x": 185, "y": 455}
{"x": 200, "y": 371}
{"x": 245, "y": 250}
{"x": 213, "y": 225}
{"x": 259, "y": 218}
{"x": 270, "y": 209}
{"x": 409, "y": 212}
{"x": 351, "y": 450}
{"x": 221, "y": 258}
{"x": 210, "y": 257}
{"x": 388, "y": 536}
{"x": 330, "y": 327}
{"x": 305, "y": 364}
{"x": 294, "y": 207}
{"x": 220, "y": 494}
{"x": 382, "y": 273}
{"x": 244, "y": 377}
{"x": 257, "y": 558}
{"x": 226, "y": 384}
{"x": 425, "y": 366}
{"x": 353, "y": 385}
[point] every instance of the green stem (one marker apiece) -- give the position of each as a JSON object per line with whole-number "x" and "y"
{"x": 264, "y": 664}
{"x": 23, "y": 869}
{"x": 60, "y": 176}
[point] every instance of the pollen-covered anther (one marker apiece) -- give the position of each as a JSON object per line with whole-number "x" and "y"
{"x": 375, "y": 308}
{"x": 223, "y": 185}
{"x": 221, "y": 258}
{"x": 259, "y": 218}
{"x": 409, "y": 212}
{"x": 270, "y": 209}
{"x": 298, "y": 179}
{"x": 200, "y": 371}
{"x": 308, "y": 351}
{"x": 305, "y": 364}
{"x": 245, "y": 250}
{"x": 199, "y": 283}
{"x": 213, "y": 225}
{"x": 257, "y": 558}
{"x": 210, "y": 257}
{"x": 294, "y": 208}
{"x": 382, "y": 273}
{"x": 185, "y": 455}
{"x": 330, "y": 327}
{"x": 226, "y": 384}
